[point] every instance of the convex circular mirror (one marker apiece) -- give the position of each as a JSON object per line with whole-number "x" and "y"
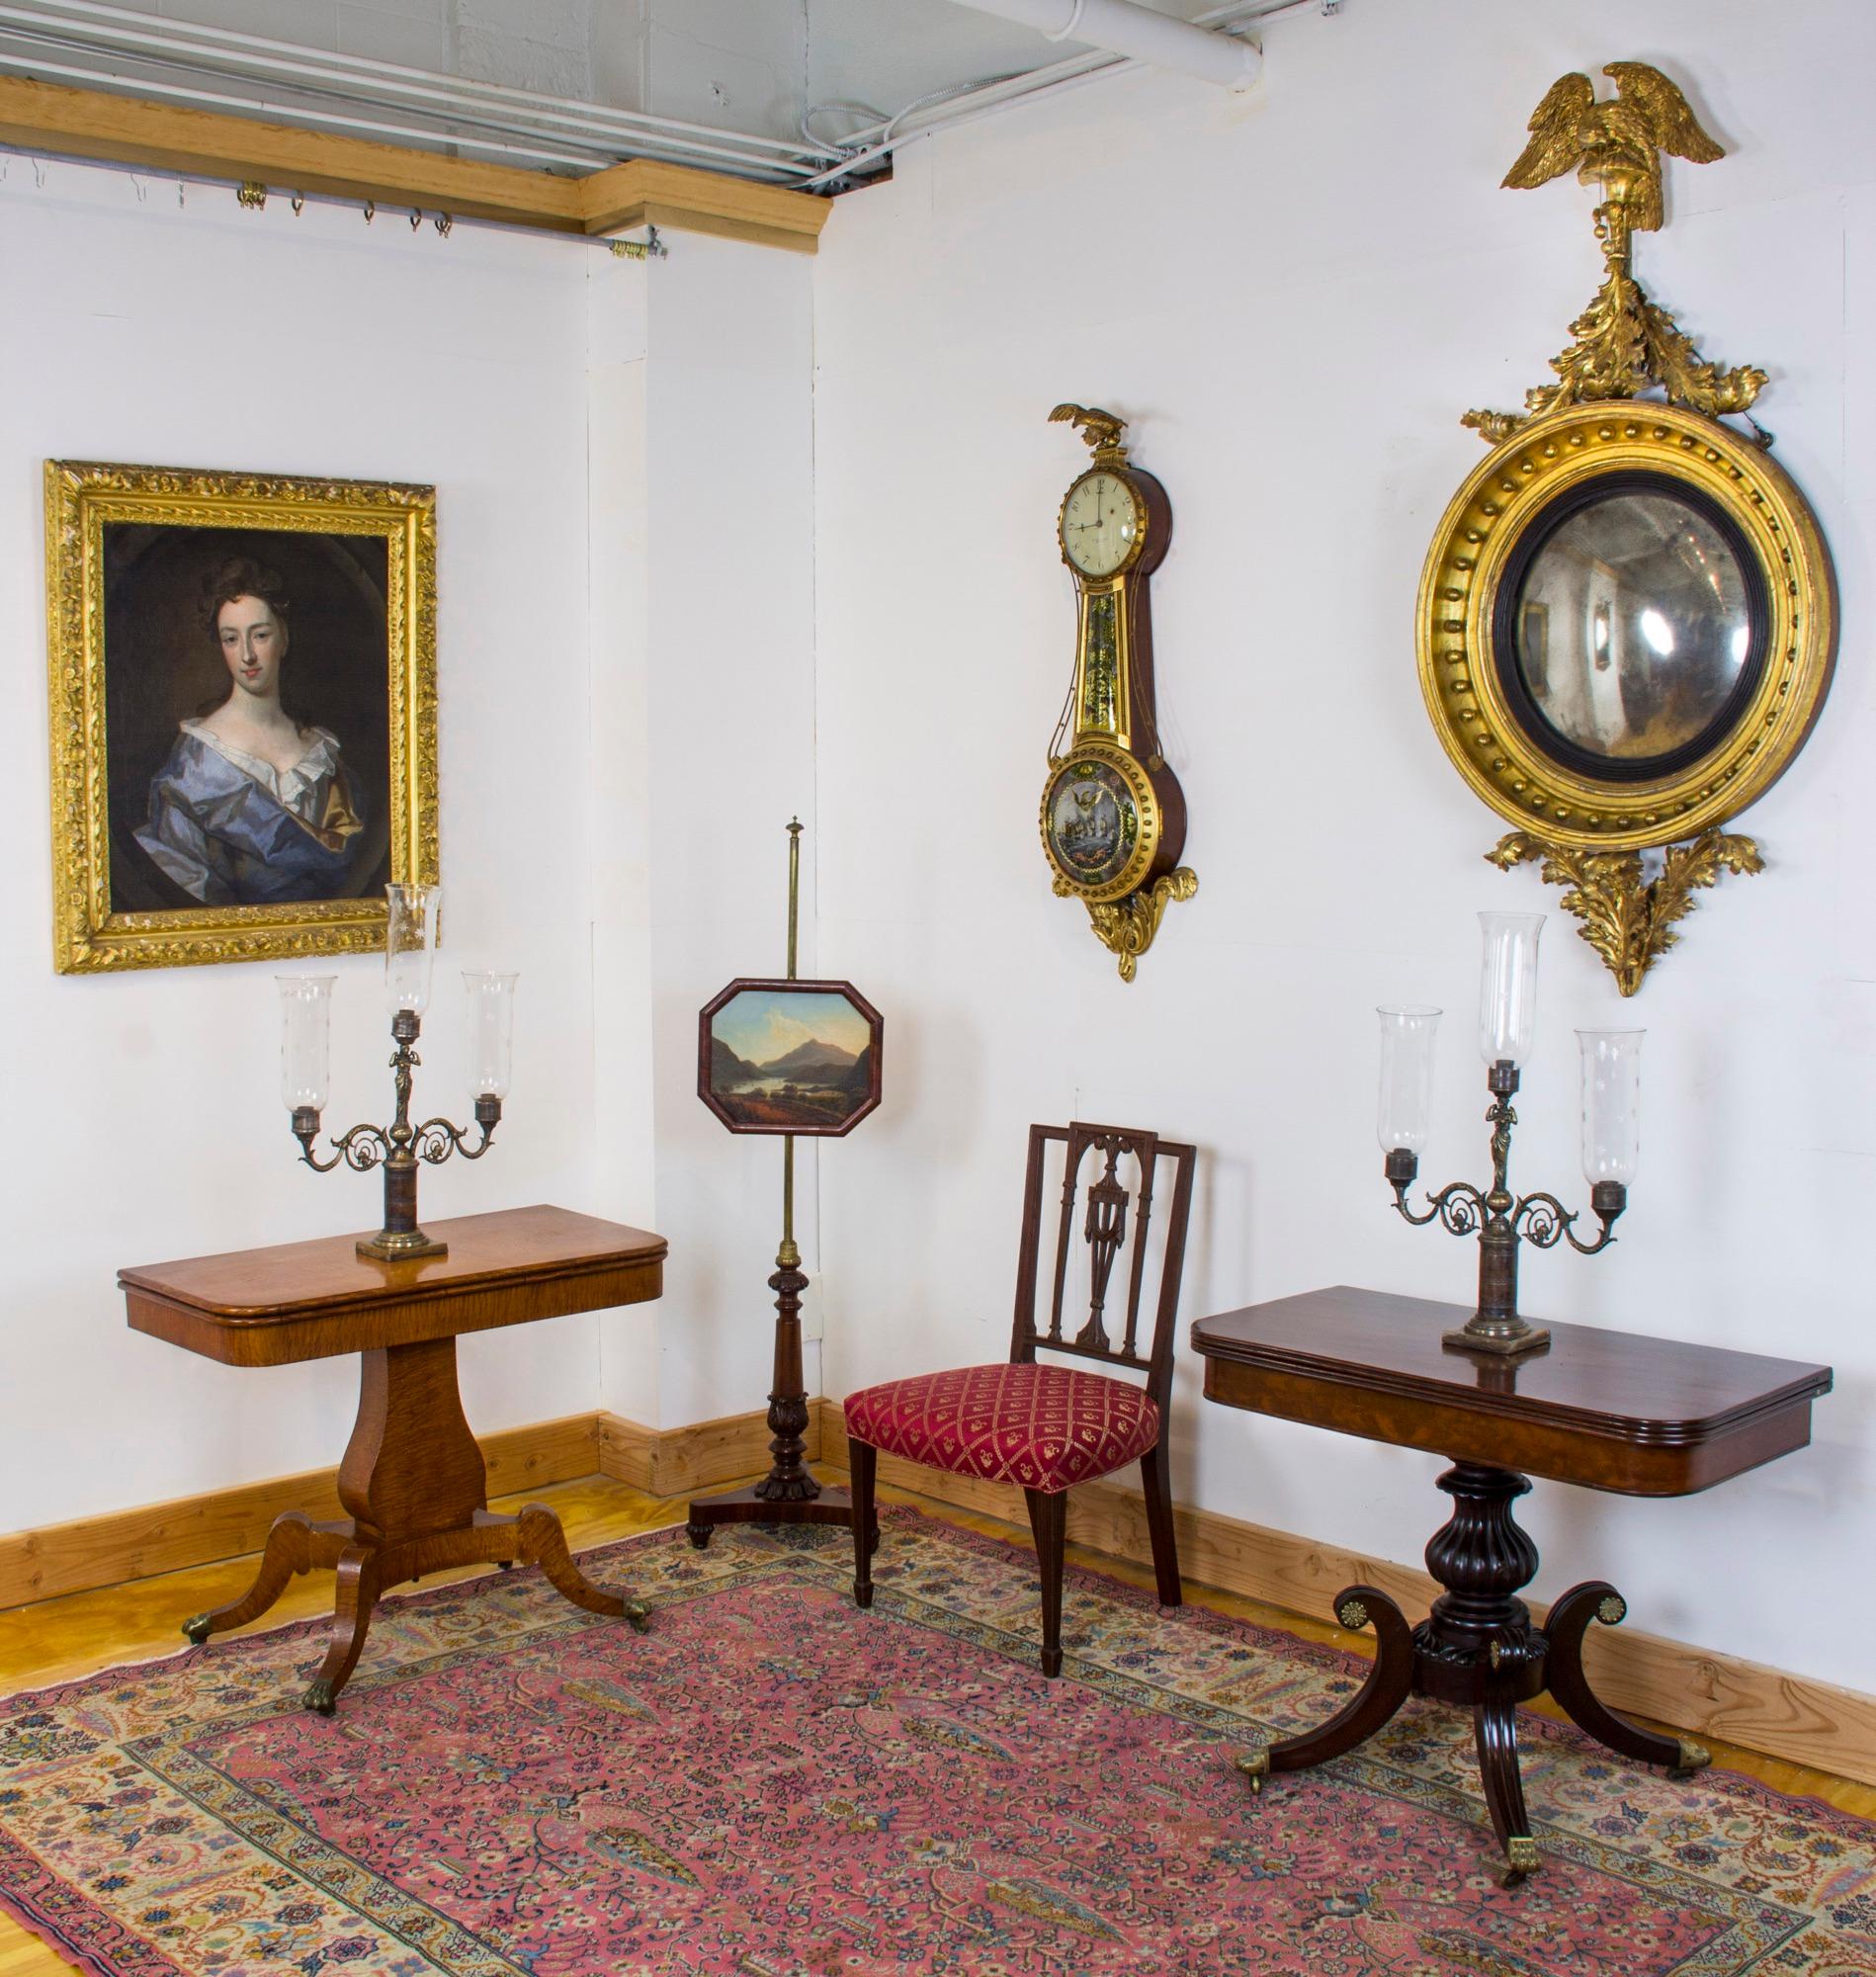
{"x": 1630, "y": 623}
{"x": 1627, "y": 624}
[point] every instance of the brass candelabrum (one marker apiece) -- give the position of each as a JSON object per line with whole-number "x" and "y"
{"x": 1503, "y": 1221}
{"x": 305, "y": 1000}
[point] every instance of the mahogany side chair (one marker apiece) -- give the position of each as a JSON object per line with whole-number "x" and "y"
{"x": 1045, "y": 1426}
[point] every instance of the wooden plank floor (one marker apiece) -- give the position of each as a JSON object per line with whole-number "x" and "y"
{"x": 57, "y": 1639}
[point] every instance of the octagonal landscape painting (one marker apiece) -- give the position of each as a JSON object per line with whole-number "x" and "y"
{"x": 789, "y": 1056}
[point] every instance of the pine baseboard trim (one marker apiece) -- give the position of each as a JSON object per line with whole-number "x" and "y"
{"x": 151, "y": 1538}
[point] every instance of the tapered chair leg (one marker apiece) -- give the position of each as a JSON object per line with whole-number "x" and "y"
{"x": 1049, "y": 1521}
{"x": 1165, "y": 1546}
{"x": 863, "y": 1461}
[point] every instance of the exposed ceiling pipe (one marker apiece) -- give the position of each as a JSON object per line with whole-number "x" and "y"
{"x": 1138, "y": 31}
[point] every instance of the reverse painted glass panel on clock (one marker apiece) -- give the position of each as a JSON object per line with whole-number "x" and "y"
{"x": 1093, "y": 822}
{"x": 1101, "y": 663}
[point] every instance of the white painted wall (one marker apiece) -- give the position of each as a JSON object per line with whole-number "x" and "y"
{"x": 730, "y": 465}
{"x": 625, "y": 729}
{"x": 144, "y": 1117}
{"x": 1293, "y": 299}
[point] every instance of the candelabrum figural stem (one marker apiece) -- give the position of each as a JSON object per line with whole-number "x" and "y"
{"x": 398, "y": 1147}
{"x": 1501, "y": 1221}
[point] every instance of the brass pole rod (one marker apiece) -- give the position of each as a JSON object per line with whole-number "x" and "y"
{"x": 794, "y": 890}
{"x": 788, "y": 1257}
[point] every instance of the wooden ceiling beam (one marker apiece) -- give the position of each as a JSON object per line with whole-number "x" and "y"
{"x": 98, "y": 125}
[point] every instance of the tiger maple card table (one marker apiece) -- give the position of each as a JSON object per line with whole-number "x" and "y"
{"x": 1609, "y": 1410}
{"x": 412, "y": 1478}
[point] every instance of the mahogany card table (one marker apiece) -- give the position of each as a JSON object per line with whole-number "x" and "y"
{"x": 1608, "y": 1410}
{"x": 412, "y": 1478}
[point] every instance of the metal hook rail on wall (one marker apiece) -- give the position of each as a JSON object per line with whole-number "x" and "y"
{"x": 251, "y": 195}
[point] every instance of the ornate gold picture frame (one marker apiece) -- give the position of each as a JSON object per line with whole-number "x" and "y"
{"x": 1628, "y": 618}
{"x": 242, "y": 689}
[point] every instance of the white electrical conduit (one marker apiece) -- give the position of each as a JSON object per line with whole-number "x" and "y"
{"x": 603, "y": 133}
{"x": 293, "y": 113}
{"x": 1125, "y": 29}
{"x": 84, "y": 25}
{"x": 877, "y": 140}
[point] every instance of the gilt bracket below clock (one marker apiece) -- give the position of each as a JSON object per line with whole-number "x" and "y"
{"x": 1127, "y": 927}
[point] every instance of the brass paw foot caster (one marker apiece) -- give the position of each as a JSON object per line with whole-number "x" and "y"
{"x": 320, "y": 1696}
{"x": 1694, "y": 1758}
{"x": 196, "y": 1628}
{"x": 699, "y": 1536}
{"x": 638, "y": 1616}
{"x": 1520, "y": 1859}
{"x": 1256, "y": 1768}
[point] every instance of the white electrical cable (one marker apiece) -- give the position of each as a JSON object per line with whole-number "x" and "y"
{"x": 606, "y": 132}
{"x": 526, "y": 125}
{"x": 366, "y": 72}
{"x": 460, "y": 131}
{"x": 299, "y": 115}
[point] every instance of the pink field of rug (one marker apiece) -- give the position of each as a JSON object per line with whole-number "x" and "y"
{"x": 772, "y": 1785}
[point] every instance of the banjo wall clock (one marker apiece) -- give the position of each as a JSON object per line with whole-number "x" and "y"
{"x": 1113, "y": 815}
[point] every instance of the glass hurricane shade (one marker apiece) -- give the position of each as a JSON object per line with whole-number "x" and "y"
{"x": 1408, "y": 1037}
{"x": 1611, "y": 1104}
{"x": 305, "y": 1040}
{"x": 492, "y": 1000}
{"x": 411, "y": 945}
{"x": 1507, "y": 985}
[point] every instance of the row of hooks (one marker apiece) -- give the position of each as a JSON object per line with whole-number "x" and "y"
{"x": 252, "y": 195}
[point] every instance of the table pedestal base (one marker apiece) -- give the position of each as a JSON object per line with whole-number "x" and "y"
{"x": 1480, "y": 1647}
{"x": 414, "y": 1482}
{"x": 828, "y": 1505}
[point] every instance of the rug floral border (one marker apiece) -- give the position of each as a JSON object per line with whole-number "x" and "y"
{"x": 1755, "y": 1925}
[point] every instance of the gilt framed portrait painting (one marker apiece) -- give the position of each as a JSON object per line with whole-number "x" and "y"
{"x": 243, "y": 708}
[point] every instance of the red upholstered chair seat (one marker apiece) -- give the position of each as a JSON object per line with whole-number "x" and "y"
{"x": 1046, "y": 1427}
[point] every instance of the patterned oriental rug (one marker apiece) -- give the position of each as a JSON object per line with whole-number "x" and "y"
{"x": 772, "y": 1785}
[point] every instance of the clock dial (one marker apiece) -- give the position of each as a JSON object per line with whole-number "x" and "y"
{"x": 1092, "y": 823}
{"x": 1100, "y": 524}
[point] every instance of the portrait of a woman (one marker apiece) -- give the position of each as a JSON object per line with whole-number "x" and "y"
{"x": 243, "y": 697}
{"x": 253, "y": 804}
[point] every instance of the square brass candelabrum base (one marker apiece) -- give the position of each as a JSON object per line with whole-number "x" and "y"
{"x": 1531, "y": 1338}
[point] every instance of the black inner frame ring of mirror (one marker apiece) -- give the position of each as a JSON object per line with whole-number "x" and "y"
{"x": 1506, "y": 659}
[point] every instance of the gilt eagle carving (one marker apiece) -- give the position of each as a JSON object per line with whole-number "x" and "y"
{"x": 1615, "y": 144}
